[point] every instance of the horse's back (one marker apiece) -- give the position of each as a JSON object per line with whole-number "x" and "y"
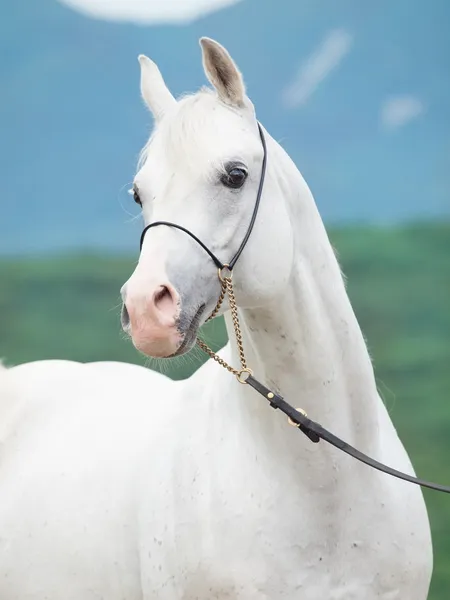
{"x": 111, "y": 472}
{"x": 68, "y": 470}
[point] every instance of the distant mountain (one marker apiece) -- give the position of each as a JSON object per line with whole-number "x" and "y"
{"x": 72, "y": 122}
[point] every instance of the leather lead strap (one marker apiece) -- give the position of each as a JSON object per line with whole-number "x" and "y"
{"x": 315, "y": 432}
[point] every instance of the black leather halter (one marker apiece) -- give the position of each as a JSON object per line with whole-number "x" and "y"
{"x": 314, "y": 431}
{"x": 220, "y": 265}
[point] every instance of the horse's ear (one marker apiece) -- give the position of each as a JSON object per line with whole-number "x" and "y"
{"x": 153, "y": 88}
{"x": 222, "y": 72}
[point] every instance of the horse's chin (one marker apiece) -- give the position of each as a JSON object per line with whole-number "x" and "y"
{"x": 163, "y": 348}
{"x": 186, "y": 345}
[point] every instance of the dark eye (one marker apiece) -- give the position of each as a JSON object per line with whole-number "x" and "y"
{"x": 234, "y": 177}
{"x": 136, "y": 197}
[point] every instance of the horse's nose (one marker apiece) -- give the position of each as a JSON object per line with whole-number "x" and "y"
{"x": 163, "y": 304}
{"x": 124, "y": 316}
{"x": 151, "y": 319}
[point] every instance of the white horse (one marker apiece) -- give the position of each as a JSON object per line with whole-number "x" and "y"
{"x": 117, "y": 483}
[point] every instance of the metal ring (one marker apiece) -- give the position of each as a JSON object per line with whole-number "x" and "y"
{"x": 244, "y": 372}
{"x": 223, "y": 277}
{"x": 302, "y": 412}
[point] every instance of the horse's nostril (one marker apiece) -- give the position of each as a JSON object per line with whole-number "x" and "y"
{"x": 163, "y": 298}
{"x": 125, "y": 318}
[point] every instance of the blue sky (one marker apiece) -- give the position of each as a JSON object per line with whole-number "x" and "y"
{"x": 357, "y": 93}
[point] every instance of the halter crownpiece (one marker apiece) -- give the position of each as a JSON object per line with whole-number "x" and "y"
{"x": 296, "y": 416}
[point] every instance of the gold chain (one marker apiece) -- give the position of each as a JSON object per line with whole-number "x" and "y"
{"x": 223, "y": 293}
{"x": 227, "y": 289}
{"x": 242, "y": 374}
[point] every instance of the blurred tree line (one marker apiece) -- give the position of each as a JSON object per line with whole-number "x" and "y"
{"x": 399, "y": 284}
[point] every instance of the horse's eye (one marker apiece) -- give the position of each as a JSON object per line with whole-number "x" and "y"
{"x": 234, "y": 177}
{"x": 136, "y": 197}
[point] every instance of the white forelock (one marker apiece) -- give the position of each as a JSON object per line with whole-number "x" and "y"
{"x": 185, "y": 135}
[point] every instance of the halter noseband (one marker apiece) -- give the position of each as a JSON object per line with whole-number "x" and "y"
{"x": 221, "y": 266}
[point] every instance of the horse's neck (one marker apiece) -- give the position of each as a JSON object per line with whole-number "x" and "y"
{"x": 308, "y": 345}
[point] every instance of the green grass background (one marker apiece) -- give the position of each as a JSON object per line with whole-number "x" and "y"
{"x": 399, "y": 284}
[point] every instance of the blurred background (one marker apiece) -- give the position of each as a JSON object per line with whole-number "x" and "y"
{"x": 359, "y": 95}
